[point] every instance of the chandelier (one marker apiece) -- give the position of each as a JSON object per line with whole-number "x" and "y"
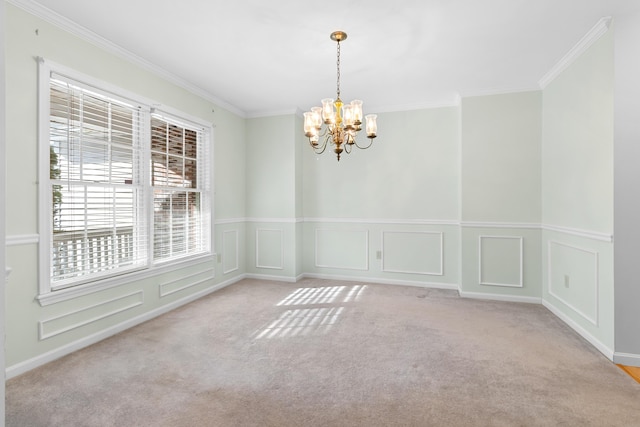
{"x": 342, "y": 121}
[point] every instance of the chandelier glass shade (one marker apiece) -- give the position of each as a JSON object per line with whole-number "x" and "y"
{"x": 342, "y": 122}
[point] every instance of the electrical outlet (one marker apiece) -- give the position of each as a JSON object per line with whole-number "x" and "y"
{"x": 566, "y": 281}
{"x": 379, "y": 255}
{"x": 219, "y": 256}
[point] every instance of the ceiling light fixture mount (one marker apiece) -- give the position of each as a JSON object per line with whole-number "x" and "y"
{"x": 342, "y": 121}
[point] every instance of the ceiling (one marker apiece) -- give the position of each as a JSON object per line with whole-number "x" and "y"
{"x": 264, "y": 57}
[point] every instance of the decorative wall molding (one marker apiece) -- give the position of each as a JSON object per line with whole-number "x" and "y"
{"x": 500, "y": 297}
{"x": 287, "y": 279}
{"x": 359, "y": 279}
{"x": 137, "y": 300}
{"x": 440, "y": 272}
{"x": 382, "y": 221}
{"x": 27, "y": 365}
{"x": 226, "y": 254}
{"x": 365, "y": 233}
{"x": 594, "y": 34}
{"x": 588, "y": 234}
{"x": 161, "y": 289}
{"x": 595, "y": 319}
{"x": 279, "y": 266}
{"x": 22, "y": 239}
{"x": 230, "y": 221}
{"x": 54, "y": 297}
{"x": 520, "y": 282}
{"x": 83, "y": 33}
{"x": 515, "y": 225}
{"x": 443, "y": 102}
{"x": 273, "y": 113}
{"x": 608, "y": 353}
{"x": 500, "y": 91}
{"x": 276, "y": 220}
{"x": 593, "y": 235}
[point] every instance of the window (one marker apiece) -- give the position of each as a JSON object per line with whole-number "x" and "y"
{"x": 177, "y": 198}
{"x": 127, "y": 189}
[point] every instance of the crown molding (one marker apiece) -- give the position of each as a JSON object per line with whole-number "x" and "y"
{"x": 274, "y": 113}
{"x": 594, "y": 34}
{"x": 443, "y": 102}
{"x": 503, "y": 91}
{"x": 77, "y": 30}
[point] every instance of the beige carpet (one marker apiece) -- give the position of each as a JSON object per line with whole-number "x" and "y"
{"x": 329, "y": 353}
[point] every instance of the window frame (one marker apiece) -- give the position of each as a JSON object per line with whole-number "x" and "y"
{"x": 46, "y": 292}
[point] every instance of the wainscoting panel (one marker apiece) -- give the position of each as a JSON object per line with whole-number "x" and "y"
{"x": 186, "y": 282}
{"x": 230, "y": 251}
{"x": 416, "y": 252}
{"x": 501, "y": 261}
{"x": 84, "y": 316}
{"x": 573, "y": 278}
{"x": 344, "y": 249}
{"x": 269, "y": 249}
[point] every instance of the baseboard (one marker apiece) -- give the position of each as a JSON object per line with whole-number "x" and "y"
{"x": 606, "y": 351}
{"x": 27, "y": 365}
{"x": 288, "y": 279}
{"x": 378, "y": 280}
{"x": 627, "y": 359}
{"x": 500, "y": 297}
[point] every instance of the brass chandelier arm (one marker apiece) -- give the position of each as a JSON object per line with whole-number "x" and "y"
{"x": 323, "y": 145}
{"x": 362, "y": 147}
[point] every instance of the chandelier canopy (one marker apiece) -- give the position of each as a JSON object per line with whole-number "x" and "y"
{"x": 342, "y": 121}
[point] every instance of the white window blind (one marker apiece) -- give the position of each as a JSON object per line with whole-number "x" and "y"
{"x": 96, "y": 184}
{"x": 181, "y": 212}
{"x": 128, "y": 189}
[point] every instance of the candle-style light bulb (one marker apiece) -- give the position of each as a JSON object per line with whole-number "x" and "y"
{"x": 372, "y": 126}
{"x": 328, "y": 113}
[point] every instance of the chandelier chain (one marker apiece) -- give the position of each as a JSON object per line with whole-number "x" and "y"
{"x": 338, "y": 66}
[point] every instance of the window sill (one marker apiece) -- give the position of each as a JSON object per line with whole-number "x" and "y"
{"x": 65, "y": 294}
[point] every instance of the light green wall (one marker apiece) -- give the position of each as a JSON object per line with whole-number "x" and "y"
{"x": 577, "y": 151}
{"x": 299, "y": 194}
{"x": 271, "y": 167}
{"x": 405, "y": 187}
{"x": 27, "y": 38}
{"x": 577, "y": 192}
{"x": 500, "y": 159}
{"x": 274, "y": 196}
{"x": 500, "y": 186}
{"x": 410, "y": 172}
{"x": 443, "y": 197}
{"x": 493, "y": 263}
{"x": 371, "y": 251}
{"x": 230, "y": 168}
